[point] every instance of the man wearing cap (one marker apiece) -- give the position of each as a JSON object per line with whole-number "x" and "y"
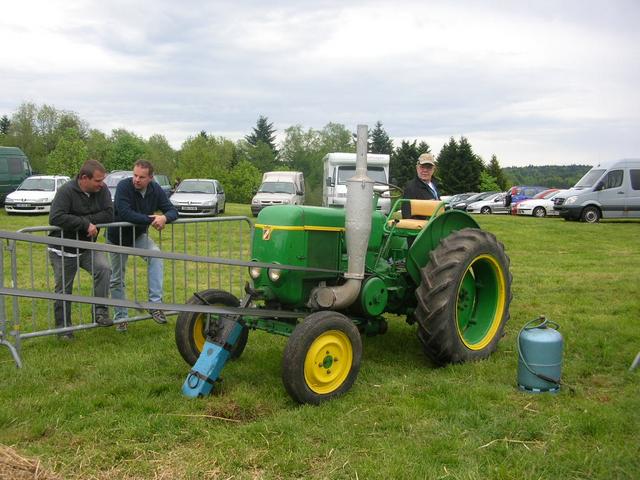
{"x": 422, "y": 186}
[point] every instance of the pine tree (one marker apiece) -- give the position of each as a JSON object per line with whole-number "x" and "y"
{"x": 402, "y": 167}
{"x": 5, "y": 123}
{"x": 380, "y": 141}
{"x": 263, "y": 132}
{"x": 496, "y": 172}
{"x": 459, "y": 168}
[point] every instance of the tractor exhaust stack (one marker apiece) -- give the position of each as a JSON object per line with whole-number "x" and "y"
{"x": 358, "y": 229}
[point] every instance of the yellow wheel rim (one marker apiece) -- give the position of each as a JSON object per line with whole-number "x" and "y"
{"x": 198, "y": 332}
{"x": 328, "y": 362}
{"x": 481, "y": 301}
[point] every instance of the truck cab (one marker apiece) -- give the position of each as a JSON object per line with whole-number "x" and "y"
{"x": 340, "y": 167}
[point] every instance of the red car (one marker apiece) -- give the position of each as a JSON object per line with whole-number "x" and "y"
{"x": 543, "y": 194}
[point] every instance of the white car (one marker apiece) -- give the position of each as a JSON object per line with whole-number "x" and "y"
{"x": 492, "y": 204}
{"x": 539, "y": 207}
{"x": 34, "y": 195}
{"x": 198, "y": 196}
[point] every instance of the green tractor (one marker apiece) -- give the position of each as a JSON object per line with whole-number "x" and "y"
{"x": 323, "y": 277}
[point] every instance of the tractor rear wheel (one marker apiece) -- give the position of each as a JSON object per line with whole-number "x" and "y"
{"x": 191, "y": 326}
{"x": 464, "y": 296}
{"x": 322, "y": 358}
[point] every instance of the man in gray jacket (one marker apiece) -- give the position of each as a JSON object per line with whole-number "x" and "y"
{"x": 77, "y": 208}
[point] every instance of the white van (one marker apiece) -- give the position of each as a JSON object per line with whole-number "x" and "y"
{"x": 340, "y": 167}
{"x": 279, "y": 188}
{"x": 608, "y": 190}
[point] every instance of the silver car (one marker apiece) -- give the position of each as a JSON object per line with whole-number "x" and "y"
{"x": 492, "y": 204}
{"x": 198, "y": 196}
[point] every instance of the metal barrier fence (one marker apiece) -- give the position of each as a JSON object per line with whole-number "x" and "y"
{"x": 199, "y": 254}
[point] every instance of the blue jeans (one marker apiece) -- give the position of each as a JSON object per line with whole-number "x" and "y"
{"x": 155, "y": 274}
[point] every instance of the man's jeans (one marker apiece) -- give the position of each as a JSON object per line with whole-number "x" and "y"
{"x": 64, "y": 271}
{"x": 155, "y": 274}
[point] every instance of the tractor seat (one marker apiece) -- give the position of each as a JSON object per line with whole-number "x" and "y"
{"x": 422, "y": 208}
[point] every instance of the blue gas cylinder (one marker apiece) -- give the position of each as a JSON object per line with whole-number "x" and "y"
{"x": 540, "y": 356}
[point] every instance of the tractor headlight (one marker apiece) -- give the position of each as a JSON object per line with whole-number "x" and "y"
{"x": 274, "y": 274}
{"x": 254, "y": 272}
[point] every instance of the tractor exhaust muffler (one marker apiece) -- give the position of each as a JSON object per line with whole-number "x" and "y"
{"x": 358, "y": 230}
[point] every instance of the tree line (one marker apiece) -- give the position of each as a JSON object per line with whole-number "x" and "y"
{"x": 59, "y": 141}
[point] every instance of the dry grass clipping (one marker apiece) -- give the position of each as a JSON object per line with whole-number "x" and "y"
{"x": 14, "y": 466}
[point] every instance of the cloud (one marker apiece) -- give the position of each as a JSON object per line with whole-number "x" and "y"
{"x": 529, "y": 82}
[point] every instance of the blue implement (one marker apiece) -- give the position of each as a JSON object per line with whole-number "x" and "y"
{"x": 212, "y": 359}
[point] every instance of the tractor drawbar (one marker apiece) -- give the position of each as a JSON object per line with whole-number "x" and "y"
{"x": 211, "y": 361}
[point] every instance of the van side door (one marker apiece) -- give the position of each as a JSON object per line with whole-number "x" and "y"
{"x": 611, "y": 196}
{"x": 633, "y": 194}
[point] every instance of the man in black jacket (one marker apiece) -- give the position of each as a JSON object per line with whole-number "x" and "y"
{"x": 79, "y": 205}
{"x": 422, "y": 186}
{"x": 137, "y": 200}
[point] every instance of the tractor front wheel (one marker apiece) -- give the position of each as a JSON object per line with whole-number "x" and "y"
{"x": 464, "y": 296}
{"x": 191, "y": 326}
{"x": 322, "y": 358}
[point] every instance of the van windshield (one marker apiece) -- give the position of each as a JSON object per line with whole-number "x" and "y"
{"x": 377, "y": 174}
{"x": 277, "y": 187}
{"x": 590, "y": 178}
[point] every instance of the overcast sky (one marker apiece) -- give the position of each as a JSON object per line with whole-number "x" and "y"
{"x": 544, "y": 82}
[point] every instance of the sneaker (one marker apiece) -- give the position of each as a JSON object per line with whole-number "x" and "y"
{"x": 102, "y": 319}
{"x": 158, "y": 316}
{"x": 122, "y": 327}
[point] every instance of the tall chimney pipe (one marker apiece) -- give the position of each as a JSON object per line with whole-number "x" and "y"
{"x": 358, "y": 229}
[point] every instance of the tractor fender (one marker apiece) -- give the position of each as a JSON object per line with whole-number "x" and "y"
{"x": 429, "y": 238}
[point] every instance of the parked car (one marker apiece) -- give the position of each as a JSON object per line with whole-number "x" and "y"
{"x": 460, "y": 203}
{"x": 34, "y": 195}
{"x": 455, "y": 198}
{"x": 539, "y": 207}
{"x": 164, "y": 182}
{"x": 113, "y": 178}
{"x": 474, "y": 197}
{"x": 199, "y": 196}
{"x": 492, "y": 204}
{"x": 544, "y": 194}
{"x": 519, "y": 193}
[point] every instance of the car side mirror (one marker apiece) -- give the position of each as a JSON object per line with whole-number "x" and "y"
{"x": 299, "y": 192}
{"x": 329, "y": 182}
{"x": 599, "y": 186}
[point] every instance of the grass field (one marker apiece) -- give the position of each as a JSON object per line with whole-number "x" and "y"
{"x": 108, "y": 405}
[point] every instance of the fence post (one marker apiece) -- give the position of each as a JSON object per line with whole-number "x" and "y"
{"x": 15, "y": 326}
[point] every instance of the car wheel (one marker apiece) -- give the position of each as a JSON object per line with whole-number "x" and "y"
{"x": 590, "y": 215}
{"x": 539, "y": 212}
{"x": 485, "y": 210}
